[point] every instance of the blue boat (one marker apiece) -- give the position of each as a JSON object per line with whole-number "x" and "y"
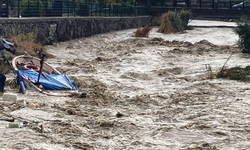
{"x": 39, "y": 74}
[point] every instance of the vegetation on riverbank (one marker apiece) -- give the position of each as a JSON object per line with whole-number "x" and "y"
{"x": 243, "y": 30}
{"x": 24, "y": 43}
{"x": 174, "y": 21}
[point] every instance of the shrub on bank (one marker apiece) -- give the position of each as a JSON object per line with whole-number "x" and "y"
{"x": 235, "y": 73}
{"x": 28, "y": 43}
{"x": 24, "y": 43}
{"x": 243, "y": 30}
{"x": 185, "y": 16}
{"x": 174, "y": 21}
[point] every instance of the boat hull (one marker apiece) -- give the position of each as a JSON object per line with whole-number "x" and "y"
{"x": 47, "y": 79}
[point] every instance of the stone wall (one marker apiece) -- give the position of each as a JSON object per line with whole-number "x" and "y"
{"x": 51, "y": 30}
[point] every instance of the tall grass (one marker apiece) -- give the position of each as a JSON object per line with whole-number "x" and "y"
{"x": 174, "y": 21}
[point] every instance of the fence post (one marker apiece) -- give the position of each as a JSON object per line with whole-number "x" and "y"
{"x": 130, "y": 11}
{"x": 37, "y": 8}
{"x": 105, "y": 10}
{"x": 7, "y": 6}
{"x": 28, "y": 8}
{"x": 135, "y": 11}
{"x": 124, "y": 10}
{"x": 144, "y": 10}
{"x": 91, "y": 8}
{"x": 127, "y": 11}
{"x": 96, "y": 9}
{"x": 68, "y": 8}
{"x": 62, "y": 10}
{"x": 74, "y": 8}
{"x": 46, "y": 8}
{"x": 140, "y": 11}
{"x": 120, "y": 10}
{"x": 18, "y": 8}
{"x": 109, "y": 9}
{"x": 54, "y": 8}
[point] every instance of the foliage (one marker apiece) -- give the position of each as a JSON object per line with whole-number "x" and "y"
{"x": 41, "y": 38}
{"x": 143, "y": 32}
{"x": 185, "y": 17}
{"x": 26, "y": 43}
{"x": 243, "y": 30}
{"x": 32, "y": 8}
{"x": 174, "y": 21}
{"x": 29, "y": 37}
{"x": 235, "y": 73}
{"x": 130, "y": 2}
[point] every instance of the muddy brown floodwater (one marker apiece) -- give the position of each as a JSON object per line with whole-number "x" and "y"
{"x": 138, "y": 93}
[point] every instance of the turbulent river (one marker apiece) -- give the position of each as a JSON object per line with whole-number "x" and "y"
{"x": 139, "y": 93}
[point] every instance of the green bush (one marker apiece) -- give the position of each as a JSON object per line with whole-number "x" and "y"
{"x": 243, "y": 30}
{"x": 174, "y": 21}
{"x": 235, "y": 73}
{"x": 29, "y": 37}
{"x": 185, "y": 17}
{"x": 31, "y": 8}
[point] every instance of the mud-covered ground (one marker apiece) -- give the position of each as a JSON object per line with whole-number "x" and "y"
{"x": 138, "y": 93}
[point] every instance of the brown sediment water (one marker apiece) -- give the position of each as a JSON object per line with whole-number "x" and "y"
{"x": 142, "y": 93}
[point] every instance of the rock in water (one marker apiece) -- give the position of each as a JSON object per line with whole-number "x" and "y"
{"x": 10, "y": 97}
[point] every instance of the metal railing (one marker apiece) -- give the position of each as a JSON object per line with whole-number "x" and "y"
{"x": 67, "y": 8}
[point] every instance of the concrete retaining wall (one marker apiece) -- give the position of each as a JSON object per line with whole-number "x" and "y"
{"x": 50, "y": 30}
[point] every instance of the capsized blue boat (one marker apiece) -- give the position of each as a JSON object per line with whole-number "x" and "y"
{"x": 49, "y": 81}
{"x": 28, "y": 70}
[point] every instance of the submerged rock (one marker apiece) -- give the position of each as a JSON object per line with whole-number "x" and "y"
{"x": 10, "y": 97}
